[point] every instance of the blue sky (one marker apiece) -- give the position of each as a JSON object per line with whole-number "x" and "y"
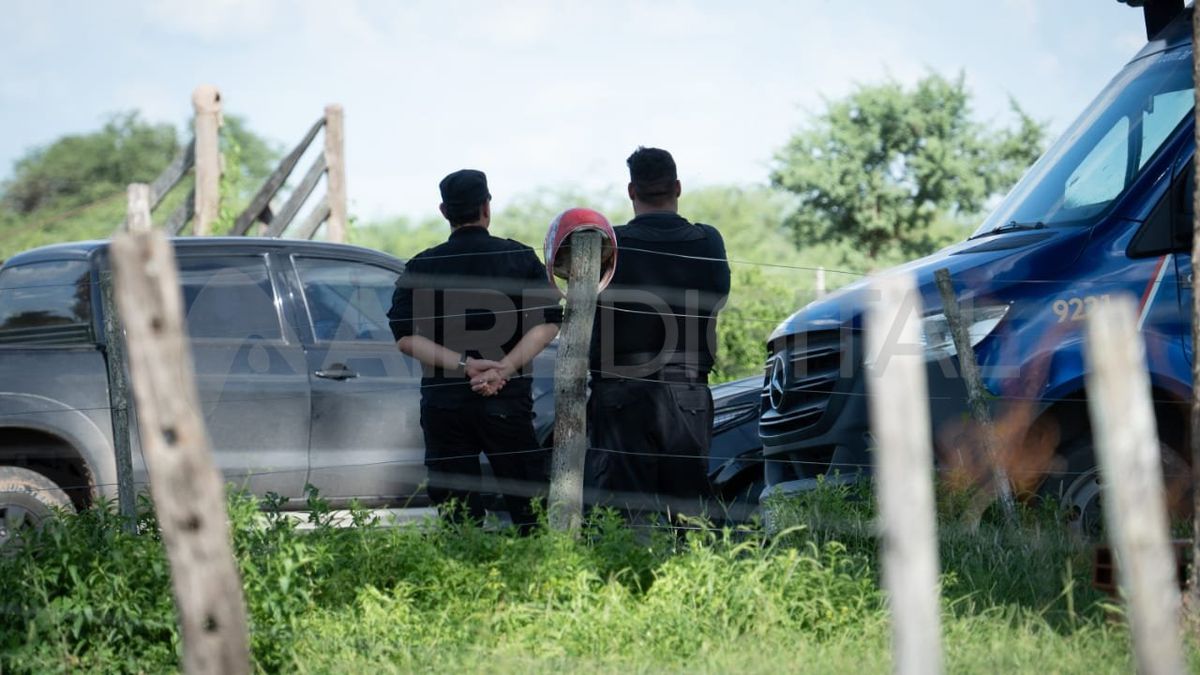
{"x": 537, "y": 93}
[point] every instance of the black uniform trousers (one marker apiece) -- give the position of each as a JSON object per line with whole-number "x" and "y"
{"x": 650, "y": 444}
{"x": 503, "y": 430}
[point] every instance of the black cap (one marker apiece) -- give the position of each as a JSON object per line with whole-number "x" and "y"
{"x": 464, "y": 189}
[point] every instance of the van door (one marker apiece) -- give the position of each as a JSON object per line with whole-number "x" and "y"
{"x": 250, "y": 373}
{"x": 366, "y": 441}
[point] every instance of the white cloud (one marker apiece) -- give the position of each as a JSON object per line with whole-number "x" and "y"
{"x": 514, "y": 24}
{"x": 27, "y": 27}
{"x": 1027, "y": 11}
{"x": 679, "y": 19}
{"x": 1131, "y": 41}
{"x": 156, "y": 101}
{"x": 214, "y": 20}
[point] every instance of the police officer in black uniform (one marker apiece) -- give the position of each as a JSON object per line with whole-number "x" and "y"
{"x": 654, "y": 344}
{"x": 475, "y": 311}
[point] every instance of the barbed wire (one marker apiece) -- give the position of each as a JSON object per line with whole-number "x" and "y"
{"x": 233, "y": 477}
{"x": 481, "y": 254}
{"x": 416, "y": 383}
{"x": 606, "y": 375}
{"x": 550, "y": 290}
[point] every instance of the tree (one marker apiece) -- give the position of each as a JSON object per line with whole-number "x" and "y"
{"x": 83, "y": 167}
{"x": 74, "y": 187}
{"x": 889, "y": 167}
{"x": 255, "y": 156}
{"x": 750, "y": 221}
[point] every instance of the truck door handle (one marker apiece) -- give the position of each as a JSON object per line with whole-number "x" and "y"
{"x": 337, "y": 371}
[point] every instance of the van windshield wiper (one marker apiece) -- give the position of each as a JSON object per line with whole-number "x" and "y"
{"x": 1013, "y": 226}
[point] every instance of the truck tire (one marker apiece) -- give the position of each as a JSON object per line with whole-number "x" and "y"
{"x": 27, "y": 500}
{"x": 1076, "y": 486}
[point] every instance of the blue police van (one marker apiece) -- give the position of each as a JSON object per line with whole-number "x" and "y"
{"x": 1107, "y": 210}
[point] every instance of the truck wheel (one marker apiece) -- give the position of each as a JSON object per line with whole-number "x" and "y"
{"x": 1076, "y": 487}
{"x": 27, "y": 499}
{"x": 1079, "y": 491}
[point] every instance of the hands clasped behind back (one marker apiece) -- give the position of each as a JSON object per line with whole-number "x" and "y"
{"x": 487, "y": 377}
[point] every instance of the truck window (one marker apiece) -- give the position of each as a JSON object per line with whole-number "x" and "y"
{"x": 46, "y": 303}
{"x": 1105, "y": 150}
{"x": 347, "y": 301}
{"x": 229, "y": 297}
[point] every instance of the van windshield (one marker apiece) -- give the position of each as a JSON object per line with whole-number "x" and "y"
{"x": 1102, "y": 153}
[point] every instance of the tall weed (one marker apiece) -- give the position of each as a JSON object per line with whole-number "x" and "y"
{"x": 84, "y": 595}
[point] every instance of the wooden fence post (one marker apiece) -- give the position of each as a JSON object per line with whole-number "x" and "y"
{"x": 570, "y": 383}
{"x": 899, "y": 411}
{"x": 115, "y": 358}
{"x": 188, "y": 495}
{"x": 206, "y": 102}
{"x": 1194, "y": 577}
{"x": 976, "y": 393}
{"x": 1134, "y": 501}
{"x": 820, "y": 285}
{"x": 335, "y": 162}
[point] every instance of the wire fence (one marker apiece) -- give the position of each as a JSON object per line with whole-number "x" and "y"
{"x": 235, "y": 476}
{"x": 729, "y": 261}
{"x": 415, "y": 386}
{"x": 413, "y": 380}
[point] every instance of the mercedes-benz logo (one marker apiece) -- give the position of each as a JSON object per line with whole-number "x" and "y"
{"x": 777, "y": 386}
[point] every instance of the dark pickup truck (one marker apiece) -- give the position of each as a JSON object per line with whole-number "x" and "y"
{"x": 299, "y": 377}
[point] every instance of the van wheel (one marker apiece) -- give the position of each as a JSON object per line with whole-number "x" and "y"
{"x": 27, "y": 500}
{"x": 1076, "y": 486}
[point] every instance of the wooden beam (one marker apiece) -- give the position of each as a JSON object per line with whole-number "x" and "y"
{"x": 899, "y": 410}
{"x": 295, "y": 200}
{"x": 312, "y": 223}
{"x": 335, "y": 160}
{"x": 187, "y": 489}
{"x": 171, "y": 175}
{"x": 570, "y": 382}
{"x": 1134, "y": 501}
{"x": 182, "y": 215}
{"x": 206, "y": 101}
{"x": 274, "y": 182}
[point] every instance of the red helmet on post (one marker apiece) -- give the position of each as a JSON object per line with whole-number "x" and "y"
{"x": 562, "y": 227}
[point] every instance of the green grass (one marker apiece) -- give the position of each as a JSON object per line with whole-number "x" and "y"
{"x": 85, "y": 596}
